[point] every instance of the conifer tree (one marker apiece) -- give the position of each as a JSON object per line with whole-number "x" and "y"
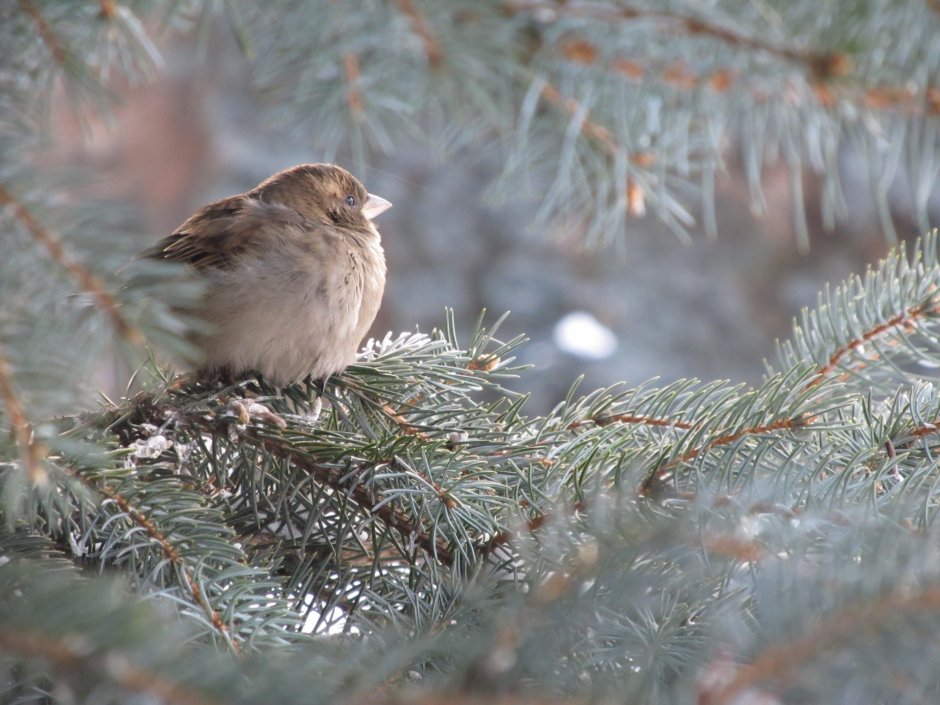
{"x": 426, "y": 537}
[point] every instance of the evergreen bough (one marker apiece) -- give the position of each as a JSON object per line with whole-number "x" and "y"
{"x": 425, "y": 537}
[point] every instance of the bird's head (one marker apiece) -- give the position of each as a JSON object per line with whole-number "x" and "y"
{"x": 323, "y": 192}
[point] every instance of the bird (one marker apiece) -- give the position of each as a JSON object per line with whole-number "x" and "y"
{"x": 294, "y": 272}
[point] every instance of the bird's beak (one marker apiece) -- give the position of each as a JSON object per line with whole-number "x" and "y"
{"x": 375, "y": 205}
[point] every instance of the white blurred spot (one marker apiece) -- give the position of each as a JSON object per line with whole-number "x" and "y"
{"x": 579, "y": 333}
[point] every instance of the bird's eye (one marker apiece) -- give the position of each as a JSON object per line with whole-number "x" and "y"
{"x": 351, "y": 201}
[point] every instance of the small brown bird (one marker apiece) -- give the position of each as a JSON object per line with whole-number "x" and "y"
{"x": 295, "y": 272}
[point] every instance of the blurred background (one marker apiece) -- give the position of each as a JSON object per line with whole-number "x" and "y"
{"x": 655, "y": 308}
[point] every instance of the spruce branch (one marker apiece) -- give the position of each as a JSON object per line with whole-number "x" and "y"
{"x": 788, "y": 424}
{"x": 655, "y": 118}
{"x": 590, "y": 128}
{"x": 907, "y": 319}
{"x": 353, "y": 94}
{"x": 88, "y": 282}
{"x": 884, "y": 323}
{"x": 171, "y": 540}
{"x": 432, "y": 48}
{"x": 30, "y": 451}
{"x": 783, "y": 660}
{"x": 461, "y": 545}
{"x": 631, "y": 419}
{"x": 359, "y": 492}
{"x": 388, "y": 481}
{"x": 63, "y": 654}
{"x": 91, "y": 636}
{"x": 49, "y": 38}
{"x": 175, "y": 557}
{"x": 818, "y": 63}
{"x": 108, "y": 9}
{"x": 905, "y": 100}
{"x": 708, "y": 427}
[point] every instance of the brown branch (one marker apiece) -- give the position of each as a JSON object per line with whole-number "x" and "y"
{"x": 727, "y": 439}
{"x": 631, "y": 419}
{"x": 905, "y": 99}
{"x": 108, "y": 9}
{"x": 823, "y": 67}
{"x": 905, "y": 319}
{"x": 920, "y": 432}
{"x": 533, "y": 524}
{"x": 733, "y": 548}
{"x": 409, "y": 430}
{"x": 69, "y": 652}
{"x": 432, "y": 48}
{"x": 85, "y": 278}
{"x": 49, "y": 37}
{"x": 662, "y": 470}
{"x": 787, "y": 657}
{"x": 453, "y": 696}
{"x": 362, "y": 495}
{"x": 406, "y": 427}
{"x": 31, "y": 452}
{"x": 692, "y": 453}
{"x": 820, "y": 64}
{"x": 172, "y": 555}
{"x": 579, "y": 50}
{"x": 408, "y": 527}
{"x": 658, "y": 472}
{"x": 353, "y": 94}
{"x": 592, "y": 129}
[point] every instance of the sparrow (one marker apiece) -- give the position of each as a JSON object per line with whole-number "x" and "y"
{"x": 294, "y": 272}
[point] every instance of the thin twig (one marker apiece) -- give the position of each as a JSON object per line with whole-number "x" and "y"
{"x": 821, "y": 64}
{"x": 85, "y": 278}
{"x": 407, "y": 428}
{"x": 49, "y": 37}
{"x": 432, "y": 47}
{"x": 593, "y": 129}
{"x": 589, "y": 127}
{"x": 692, "y": 453}
{"x": 172, "y": 555}
{"x": 786, "y": 658}
{"x": 353, "y": 94}
{"x": 905, "y": 319}
{"x": 799, "y": 422}
{"x": 31, "y": 452}
{"x": 108, "y": 9}
{"x": 533, "y": 524}
{"x": 408, "y": 527}
{"x": 907, "y": 99}
{"x": 634, "y": 420}
{"x": 69, "y": 652}
{"x": 787, "y": 424}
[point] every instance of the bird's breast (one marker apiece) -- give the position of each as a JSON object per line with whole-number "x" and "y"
{"x": 293, "y": 312}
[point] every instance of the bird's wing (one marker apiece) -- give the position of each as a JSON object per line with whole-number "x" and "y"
{"x": 220, "y": 232}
